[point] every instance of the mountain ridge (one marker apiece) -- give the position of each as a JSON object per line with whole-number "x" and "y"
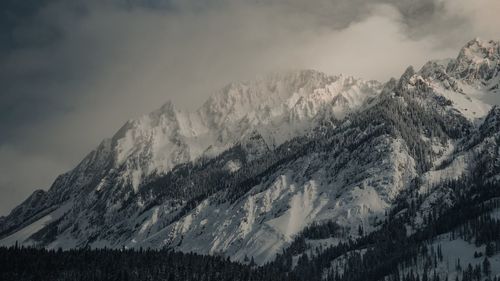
{"x": 262, "y": 160}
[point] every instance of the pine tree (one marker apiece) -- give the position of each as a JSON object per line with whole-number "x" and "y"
{"x": 486, "y": 266}
{"x": 490, "y": 249}
{"x": 360, "y": 230}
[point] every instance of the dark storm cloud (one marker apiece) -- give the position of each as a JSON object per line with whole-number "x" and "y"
{"x": 73, "y": 71}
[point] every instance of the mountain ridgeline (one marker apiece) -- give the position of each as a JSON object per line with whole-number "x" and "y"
{"x": 297, "y": 175}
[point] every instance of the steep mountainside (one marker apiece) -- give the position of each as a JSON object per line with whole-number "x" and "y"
{"x": 263, "y": 163}
{"x": 249, "y": 118}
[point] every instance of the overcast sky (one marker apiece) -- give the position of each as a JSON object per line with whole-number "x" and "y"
{"x": 72, "y": 72}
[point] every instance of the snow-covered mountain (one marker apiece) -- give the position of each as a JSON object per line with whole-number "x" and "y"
{"x": 262, "y": 161}
{"x": 271, "y": 109}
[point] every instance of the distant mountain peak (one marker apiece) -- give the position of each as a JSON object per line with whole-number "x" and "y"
{"x": 477, "y": 60}
{"x": 168, "y": 106}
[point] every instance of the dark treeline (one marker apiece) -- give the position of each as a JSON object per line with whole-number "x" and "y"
{"x": 20, "y": 263}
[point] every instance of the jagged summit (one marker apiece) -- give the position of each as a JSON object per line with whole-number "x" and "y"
{"x": 468, "y": 84}
{"x": 478, "y": 50}
{"x": 477, "y": 60}
{"x": 167, "y": 108}
{"x": 278, "y": 106}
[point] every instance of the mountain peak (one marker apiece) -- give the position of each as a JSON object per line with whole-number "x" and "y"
{"x": 478, "y": 50}
{"x": 407, "y": 75}
{"x": 168, "y": 110}
{"x": 167, "y": 106}
{"x": 477, "y": 60}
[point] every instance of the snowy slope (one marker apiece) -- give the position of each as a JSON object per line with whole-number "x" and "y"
{"x": 456, "y": 251}
{"x": 269, "y": 216}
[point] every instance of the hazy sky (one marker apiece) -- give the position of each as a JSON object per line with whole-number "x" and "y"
{"x": 72, "y": 72}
